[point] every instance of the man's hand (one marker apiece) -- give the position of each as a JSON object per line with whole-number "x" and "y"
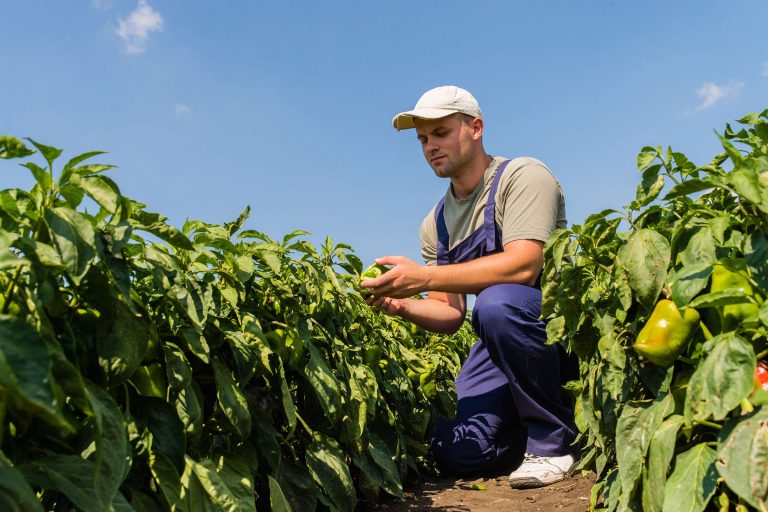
{"x": 388, "y": 304}
{"x": 405, "y": 279}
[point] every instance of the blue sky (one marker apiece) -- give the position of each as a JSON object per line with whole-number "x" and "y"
{"x": 207, "y": 107}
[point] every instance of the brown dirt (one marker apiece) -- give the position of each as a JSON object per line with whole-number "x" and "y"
{"x": 452, "y": 495}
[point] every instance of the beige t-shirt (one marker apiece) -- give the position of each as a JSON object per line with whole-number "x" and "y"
{"x": 529, "y": 206}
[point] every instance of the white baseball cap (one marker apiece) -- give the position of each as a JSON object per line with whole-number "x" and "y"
{"x": 436, "y": 103}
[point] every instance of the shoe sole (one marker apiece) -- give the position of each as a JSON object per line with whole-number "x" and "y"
{"x": 532, "y": 483}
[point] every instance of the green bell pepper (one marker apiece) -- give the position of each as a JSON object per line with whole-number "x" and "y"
{"x": 371, "y": 272}
{"x": 666, "y": 333}
{"x": 731, "y": 274}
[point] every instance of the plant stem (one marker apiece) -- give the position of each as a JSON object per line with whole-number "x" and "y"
{"x": 11, "y": 289}
{"x": 708, "y": 424}
{"x": 304, "y": 424}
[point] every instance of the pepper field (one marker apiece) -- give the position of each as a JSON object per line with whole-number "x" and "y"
{"x": 148, "y": 368}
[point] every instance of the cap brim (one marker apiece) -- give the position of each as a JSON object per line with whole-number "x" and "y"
{"x": 406, "y": 120}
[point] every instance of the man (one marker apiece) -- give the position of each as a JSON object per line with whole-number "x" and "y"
{"x": 486, "y": 237}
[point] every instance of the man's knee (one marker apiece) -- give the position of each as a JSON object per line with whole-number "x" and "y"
{"x": 500, "y": 305}
{"x": 461, "y": 452}
{"x": 459, "y": 457}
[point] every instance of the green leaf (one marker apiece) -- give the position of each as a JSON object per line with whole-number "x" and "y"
{"x": 556, "y": 246}
{"x": 271, "y": 258}
{"x": 168, "y": 481}
{"x": 614, "y": 361}
{"x": 166, "y": 428}
{"x": 756, "y": 251}
{"x": 25, "y": 370}
{"x": 244, "y": 267}
{"x": 15, "y": 493}
{"x": 357, "y": 409}
{"x": 700, "y": 248}
{"x": 750, "y": 180}
{"x": 91, "y": 169}
{"x": 742, "y": 457}
{"x": 195, "y": 342}
{"x": 277, "y": 500}
{"x": 296, "y": 483}
{"x": 325, "y": 386}
{"x": 155, "y": 223}
{"x": 660, "y": 454}
{"x": 42, "y": 176}
{"x": 722, "y": 380}
{"x": 236, "y": 474}
{"x": 378, "y": 464}
{"x": 113, "y": 453}
{"x": 226, "y": 481}
{"x": 177, "y": 366}
{"x": 232, "y": 227}
{"x": 8, "y": 257}
{"x": 11, "y": 147}
{"x": 196, "y": 497}
{"x": 193, "y": 299}
{"x": 689, "y": 281}
{"x": 721, "y": 298}
{"x": 49, "y": 152}
{"x": 72, "y": 195}
{"x": 74, "y": 238}
{"x": 231, "y": 399}
{"x": 122, "y": 334}
{"x": 634, "y": 431}
{"x": 693, "y": 481}
{"x": 689, "y": 187}
{"x": 645, "y": 257}
{"x": 73, "y": 477}
{"x": 67, "y": 170}
{"x": 189, "y": 407}
{"x": 650, "y": 187}
{"x": 289, "y": 408}
{"x": 101, "y": 189}
{"x": 246, "y": 354}
{"x": 646, "y": 156}
{"x": 142, "y": 502}
{"x": 325, "y": 461}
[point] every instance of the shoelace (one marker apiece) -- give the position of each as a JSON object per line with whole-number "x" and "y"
{"x": 529, "y": 457}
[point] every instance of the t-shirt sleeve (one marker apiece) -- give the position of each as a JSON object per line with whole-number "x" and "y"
{"x": 428, "y": 236}
{"x": 531, "y": 202}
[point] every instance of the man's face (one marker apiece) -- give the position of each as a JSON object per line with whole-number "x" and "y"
{"x": 447, "y": 144}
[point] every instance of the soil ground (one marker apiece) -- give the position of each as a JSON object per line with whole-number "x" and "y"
{"x": 457, "y": 495}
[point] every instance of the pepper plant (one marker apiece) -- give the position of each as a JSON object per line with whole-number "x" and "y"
{"x": 145, "y": 367}
{"x": 663, "y": 303}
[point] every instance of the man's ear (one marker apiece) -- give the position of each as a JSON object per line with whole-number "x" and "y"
{"x": 477, "y": 128}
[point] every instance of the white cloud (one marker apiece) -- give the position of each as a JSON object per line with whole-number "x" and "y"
{"x": 711, "y": 93}
{"x": 765, "y": 68}
{"x": 182, "y": 109}
{"x": 135, "y": 30}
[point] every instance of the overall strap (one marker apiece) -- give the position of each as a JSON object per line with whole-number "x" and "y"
{"x": 442, "y": 234}
{"x": 489, "y": 222}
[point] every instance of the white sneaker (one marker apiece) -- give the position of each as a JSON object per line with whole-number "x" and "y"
{"x": 537, "y": 471}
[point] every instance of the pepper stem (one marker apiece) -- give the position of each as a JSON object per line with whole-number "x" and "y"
{"x": 707, "y": 334}
{"x": 708, "y": 424}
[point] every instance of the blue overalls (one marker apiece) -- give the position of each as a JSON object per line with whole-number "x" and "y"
{"x": 509, "y": 388}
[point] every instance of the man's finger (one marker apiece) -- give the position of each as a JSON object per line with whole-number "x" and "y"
{"x": 377, "y": 282}
{"x": 391, "y": 260}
